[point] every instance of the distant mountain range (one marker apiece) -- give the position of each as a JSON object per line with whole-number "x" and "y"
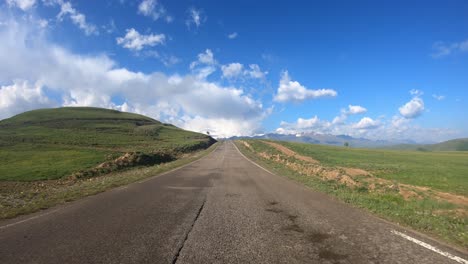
{"x": 341, "y": 140}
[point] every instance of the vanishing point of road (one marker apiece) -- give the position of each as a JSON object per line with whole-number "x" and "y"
{"x": 220, "y": 209}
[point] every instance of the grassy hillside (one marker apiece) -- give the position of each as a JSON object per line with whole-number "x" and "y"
{"x": 460, "y": 144}
{"x": 54, "y": 143}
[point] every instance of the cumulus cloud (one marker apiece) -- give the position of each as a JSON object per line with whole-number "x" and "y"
{"x": 236, "y": 69}
{"x": 196, "y": 18}
{"x": 396, "y": 129}
{"x": 153, "y": 9}
{"x": 356, "y": 109}
{"x": 414, "y": 107}
{"x": 206, "y": 57}
{"x": 21, "y": 4}
{"x": 255, "y": 72}
{"x": 289, "y": 90}
{"x": 367, "y": 123}
{"x": 233, "y": 35}
{"x": 352, "y": 110}
{"x": 442, "y": 49}
{"x": 21, "y": 96}
{"x": 135, "y": 41}
{"x": 232, "y": 70}
{"x": 205, "y": 64}
{"x": 79, "y": 19}
{"x": 85, "y": 80}
{"x": 302, "y": 125}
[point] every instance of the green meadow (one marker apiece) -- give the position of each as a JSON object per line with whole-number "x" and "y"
{"x": 443, "y": 171}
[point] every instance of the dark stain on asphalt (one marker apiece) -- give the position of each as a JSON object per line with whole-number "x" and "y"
{"x": 293, "y": 227}
{"x": 317, "y": 237}
{"x": 274, "y": 210}
{"x": 330, "y": 255}
{"x": 272, "y": 203}
{"x": 292, "y": 217}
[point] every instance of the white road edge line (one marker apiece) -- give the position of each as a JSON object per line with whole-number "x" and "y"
{"x": 422, "y": 244}
{"x": 28, "y": 219}
{"x": 232, "y": 142}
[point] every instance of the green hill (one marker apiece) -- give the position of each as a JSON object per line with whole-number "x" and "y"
{"x": 460, "y": 144}
{"x": 54, "y": 143}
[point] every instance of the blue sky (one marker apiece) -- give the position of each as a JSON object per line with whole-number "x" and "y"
{"x": 391, "y": 70}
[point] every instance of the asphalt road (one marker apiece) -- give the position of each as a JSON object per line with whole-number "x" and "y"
{"x": 220, "y": 209}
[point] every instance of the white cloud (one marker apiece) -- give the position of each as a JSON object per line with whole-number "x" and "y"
{"x": 196, "y": 17}
{"x": 232, "y": 70}
{"x": 235, "y": 70}
{"x": 79, "y": 19}
{"x": 416, "y": 93}
{"x": 301, "y": 125}
{"x": 338, "y": 120}
{"x": 153, "y": 9}
{"x": 289, "y": 90}
{"x": 396, "y": 129}
{"x": 169, "y": 60}
{"x": 206, "y": 57}
{"x": 205, "y": 64}
{"x": 356, "y": 109}
{"x": 43, "y": 23}
{"x": 22, "y": 4}
{"x": 136, "y": 41}
{"x": 308, "y": 123}
{"x": 438, "y": 97}
{"x": 352, "y": 110}
{"x": 442, "y": 49}
{"x": 255, "y": 72}
{"x": 367, "y": 123}
{"x": 21, "y": 96}
{"x": 413, "y": 108}
{"x": 233, "y": 35}
{"x": 87, "y": 80}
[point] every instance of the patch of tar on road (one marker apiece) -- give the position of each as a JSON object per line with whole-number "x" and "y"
{"x": 330, "y": 255}
{"x": 293, "y": 226}
{"x": 320, "y": 243}
{"x": 232, "y": 195}
{"x": 316, "y": 237}
{"x": 274, "y": 210}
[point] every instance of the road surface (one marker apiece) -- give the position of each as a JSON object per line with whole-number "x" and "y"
{"x": 220, "y": 209}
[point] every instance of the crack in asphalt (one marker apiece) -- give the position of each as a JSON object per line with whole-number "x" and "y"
{"x": 176, "y": 257}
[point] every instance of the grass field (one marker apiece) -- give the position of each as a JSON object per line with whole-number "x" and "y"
{"x": 54, "y": 143}
{"x": 391, "y": 175}
{"x": 444, "y": 171}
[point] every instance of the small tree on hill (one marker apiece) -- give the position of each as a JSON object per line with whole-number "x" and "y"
{"x": 346, "y": 144}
